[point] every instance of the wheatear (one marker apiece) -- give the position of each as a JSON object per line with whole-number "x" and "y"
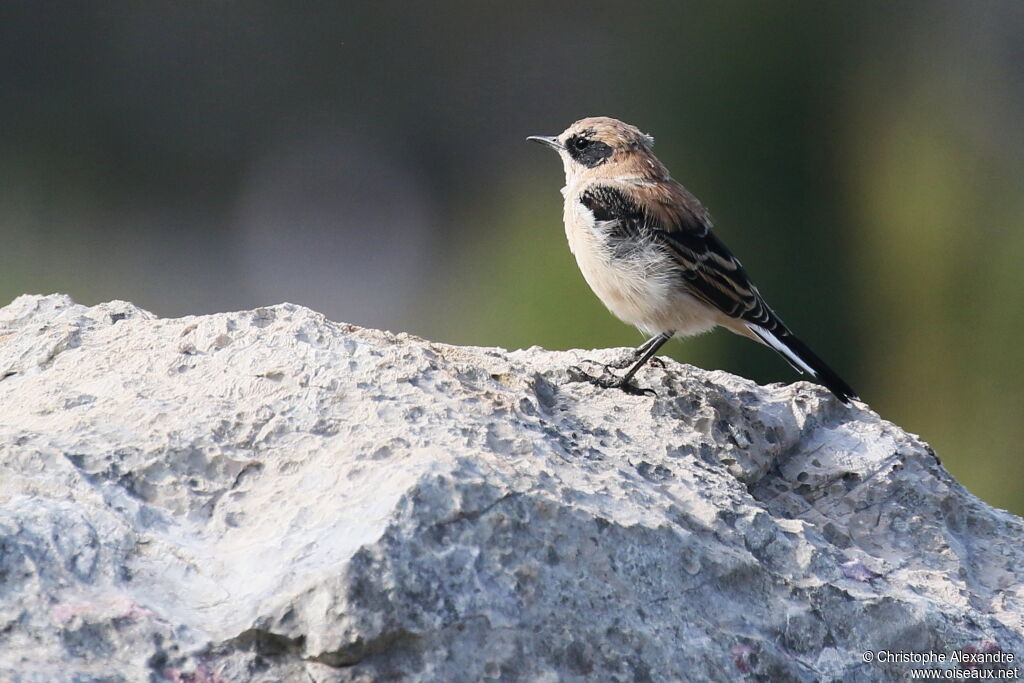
{"x": 645, "y": 246}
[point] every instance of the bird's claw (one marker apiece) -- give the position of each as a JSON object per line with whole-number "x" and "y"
{"x": 627, "y": 362}
{"x": 628, "y": 387}
{"x": 620, "y": 364}
{"x": 577, "y": 374}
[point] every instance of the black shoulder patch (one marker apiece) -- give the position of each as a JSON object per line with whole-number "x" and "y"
{"x": 612, "y": 206}
{"x": 608, "y": 203}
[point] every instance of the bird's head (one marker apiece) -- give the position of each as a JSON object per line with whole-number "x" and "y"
{"x": 600, "y": 146}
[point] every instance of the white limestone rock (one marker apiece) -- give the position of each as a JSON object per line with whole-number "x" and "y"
{"x": 267, "y": 495}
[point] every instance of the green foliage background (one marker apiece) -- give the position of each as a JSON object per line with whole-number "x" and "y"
{"x": 864, "y": 160}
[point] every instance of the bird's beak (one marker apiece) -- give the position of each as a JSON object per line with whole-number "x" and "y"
{"x": 551, "y": 142}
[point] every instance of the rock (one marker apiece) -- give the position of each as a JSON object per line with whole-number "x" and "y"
{"x": 267, "y": 496}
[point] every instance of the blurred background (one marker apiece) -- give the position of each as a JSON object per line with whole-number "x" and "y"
{"x": 865, "y": 161}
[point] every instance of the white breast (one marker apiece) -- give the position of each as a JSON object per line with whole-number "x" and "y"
{"x": 641, "y": 287}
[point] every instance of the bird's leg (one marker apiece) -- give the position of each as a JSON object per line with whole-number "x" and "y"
{"x": 657, "y": 340}
{"x": 645, "y": 353}
{"x": 648, "y": 350}
{"x": 637, "y": 353}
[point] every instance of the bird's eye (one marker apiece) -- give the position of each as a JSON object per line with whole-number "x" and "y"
{"x": 585, "y": 150}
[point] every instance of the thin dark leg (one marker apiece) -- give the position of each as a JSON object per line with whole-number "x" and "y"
{"x": 656, "y": 339}
{"x": 648, "y": 349}
{"x": 643, "y": 354}
{"x": 637, "y": 353}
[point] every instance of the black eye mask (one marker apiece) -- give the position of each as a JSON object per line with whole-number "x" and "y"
{"x": 586, "y": 151}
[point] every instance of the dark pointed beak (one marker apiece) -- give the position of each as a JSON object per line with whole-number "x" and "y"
{"x": 551, "y": 142}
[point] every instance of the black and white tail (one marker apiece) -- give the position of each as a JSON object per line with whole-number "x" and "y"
{"x": 804, "y": 360}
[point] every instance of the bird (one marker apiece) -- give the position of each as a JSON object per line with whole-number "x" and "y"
{"x": 645, "y": 246}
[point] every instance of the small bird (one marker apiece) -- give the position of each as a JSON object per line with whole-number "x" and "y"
{"x": 644, "y": 245}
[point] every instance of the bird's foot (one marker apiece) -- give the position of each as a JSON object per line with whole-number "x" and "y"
{"x": 620, "y": 364}
{"x": 624, "y": 363}
{"x": 608, "y": 380}
{"x": 628, "y": 387}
